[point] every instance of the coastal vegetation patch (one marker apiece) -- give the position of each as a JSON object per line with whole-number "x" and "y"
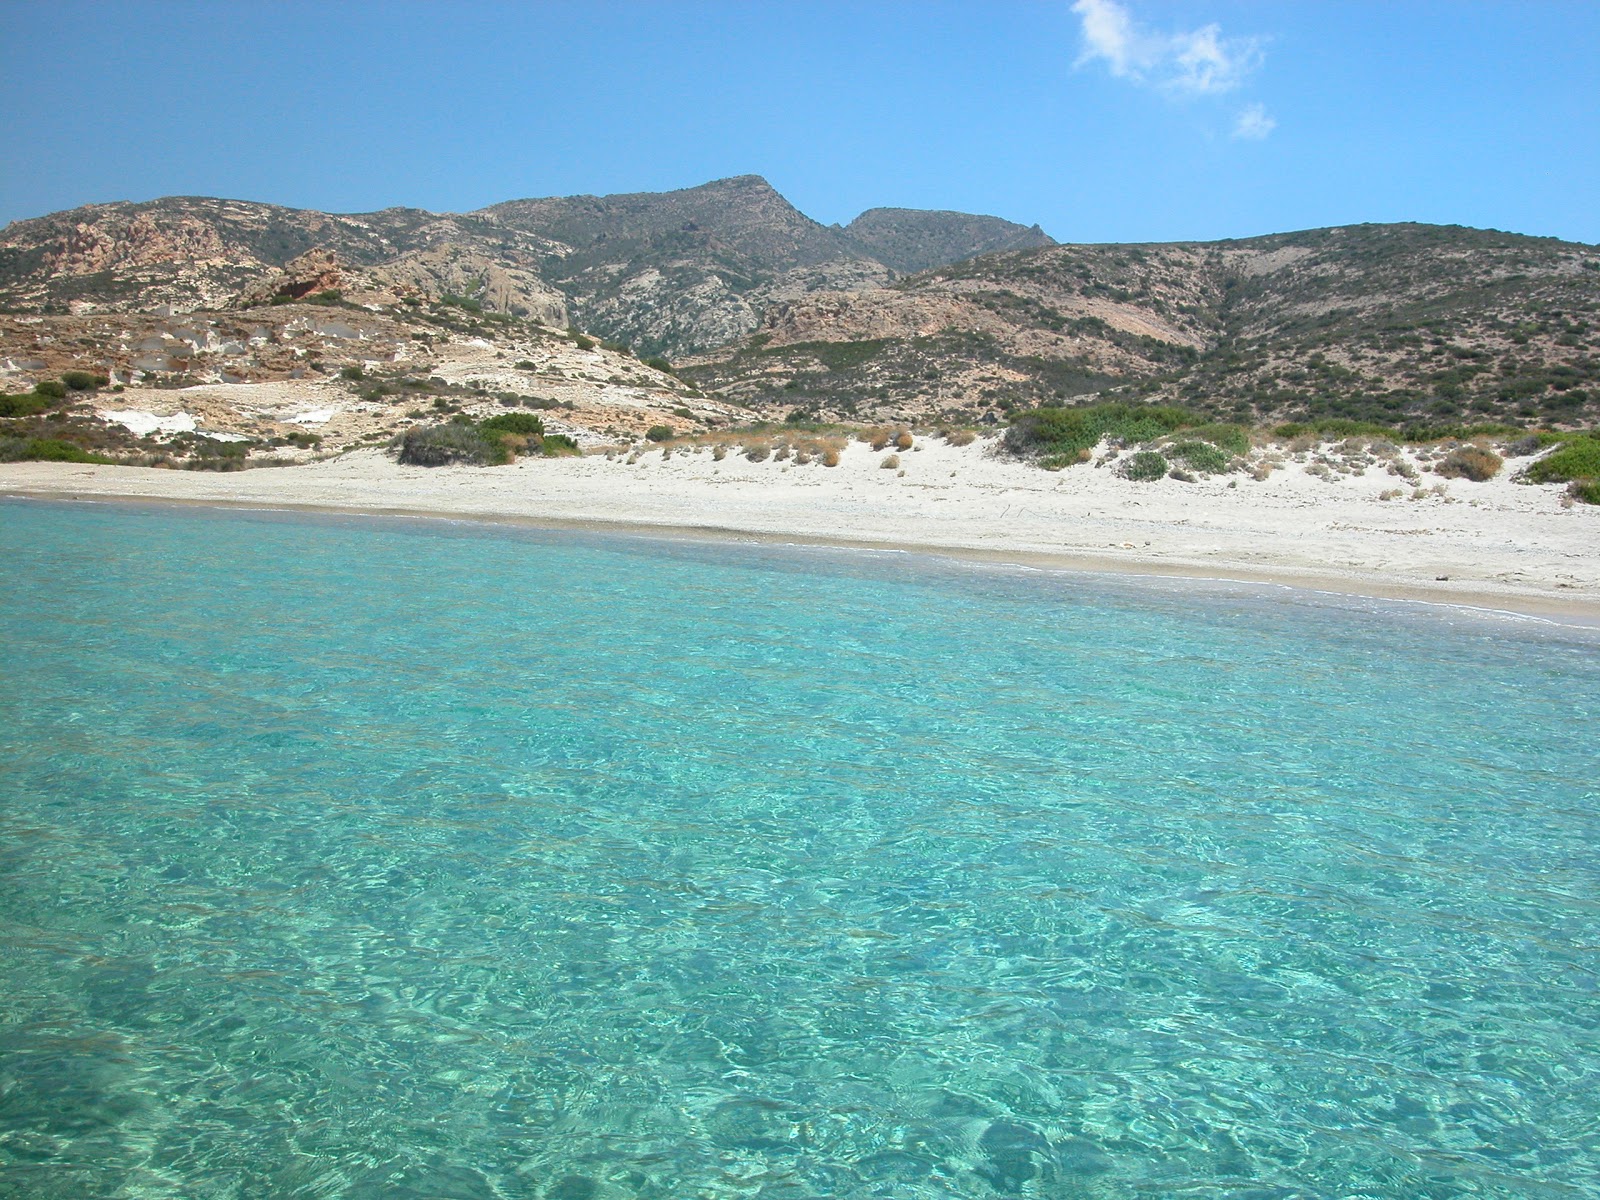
{"x": 1576, "y": 462}
{"x": 493, "y": 441}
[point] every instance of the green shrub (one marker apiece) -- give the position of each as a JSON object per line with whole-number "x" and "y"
{"x": 656, "y": 362}
{"x": 1587, "y": 490}
{"x": 83, "y": 381}
{"x": 326, "y": 298}
{"x": 1202, "y": 456}
{"x": 47, "y": 450}
{"x": 1470, "y": 462}
{"x": 1235, "y": 439}
{"x": 442, "y": 445}
{"x": 51, "y": 388}
{"x": 1578, "y": 458}
{"x": 578, "y": 340}
{"x": 22, "y": 406}
{"x": 1144, "y": 467}
{"x": 659, "y": 433}
{"x": 525, "y": 424}
{"x": 1063, "y": 433}
{"x": 352, "y": 372}
{"x": 1337, "y": 427}
{"x": 559, "y": 445}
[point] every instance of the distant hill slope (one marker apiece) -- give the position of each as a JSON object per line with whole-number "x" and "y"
{"x": 667, "y": 272}
{"x": 1391, "y": 323}
{"x": 912, "y": 240}
{"x": 759, "y": 303}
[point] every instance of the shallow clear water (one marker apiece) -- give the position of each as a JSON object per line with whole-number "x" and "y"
{"x": 397, "y": 859}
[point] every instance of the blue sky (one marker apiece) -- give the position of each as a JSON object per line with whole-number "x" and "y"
{"x": 1102, "y": 120}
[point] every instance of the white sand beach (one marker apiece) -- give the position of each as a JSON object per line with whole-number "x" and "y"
{"x": 1497, "y": 544}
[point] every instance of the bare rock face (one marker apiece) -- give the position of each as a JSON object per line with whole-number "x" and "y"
{"x": 314, "y": 271}
{"x": 137, "y": 241}
{"x": 450, "y": 270}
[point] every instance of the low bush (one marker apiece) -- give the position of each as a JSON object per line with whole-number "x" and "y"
{"x": 960, "y": 437}
{"x": 1577, "y": 458}
{"x": 1587, "y": 490}
{"x": 1143, "y": 467}
{"x": 559, "y": 445}
{"x": 903, "y": 440}
{"x": 830, "y": 457}
{"x": 891, "y": 462}
{"x": 22, "y": 406}
{"x": 524, "y": 424}
{"x": 443, "y": 445}
{"x": 1062, "y": 433}
{"x": 1336, "y": 427}
{"x": 659, "y": 433}
{"x": 53, "y": 389}
{"x": 47, "y": 450}
{"x": 352, "y": 372}
{"x": 758, "y": 451}
{"x": 1201, "y": 456}
{"x": 1470, "y": 462}
{"x": 1235, "y": 439}
{"x": 83, "y": 381}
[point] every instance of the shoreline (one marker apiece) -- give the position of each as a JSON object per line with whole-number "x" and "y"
{"x": 767, "y": 525}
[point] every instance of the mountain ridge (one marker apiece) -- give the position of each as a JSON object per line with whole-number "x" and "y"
{"x": 664, "y": 271}
{"x": 764, "y": 306}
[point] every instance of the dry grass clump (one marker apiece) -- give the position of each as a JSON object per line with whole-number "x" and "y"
{"x": 891, "y": 462}
{"x": 959, "y": 437}
{"x": 1477, "y": 463}
{"x": 781, "y": 453}
{"x": 903, "y": 439}
{"x": 876, "y": 438}
{"x": 719, "y": 452}
{"x": 757, "y": 451}
{"x": 1403, "y": 468}
{"x": 830, "y": 457}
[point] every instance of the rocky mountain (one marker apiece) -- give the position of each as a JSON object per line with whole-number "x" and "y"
{"x": 669, "y": 272}
{"x": 762, "y": 306}
{"x": 1390, "y": 323}
{"x": 911, "y": 240}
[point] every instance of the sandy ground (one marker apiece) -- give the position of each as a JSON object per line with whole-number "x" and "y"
{"x": 1497, "y": 544}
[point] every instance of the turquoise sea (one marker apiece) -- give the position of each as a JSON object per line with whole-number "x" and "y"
{"x": 401, "y": 859}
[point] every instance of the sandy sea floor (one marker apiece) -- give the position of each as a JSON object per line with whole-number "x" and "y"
{"x": 1497, "y": 544}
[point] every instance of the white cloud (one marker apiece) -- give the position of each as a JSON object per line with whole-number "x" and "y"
{"x": 1253, "y": 124}
{"x": 1200, "y": 62}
